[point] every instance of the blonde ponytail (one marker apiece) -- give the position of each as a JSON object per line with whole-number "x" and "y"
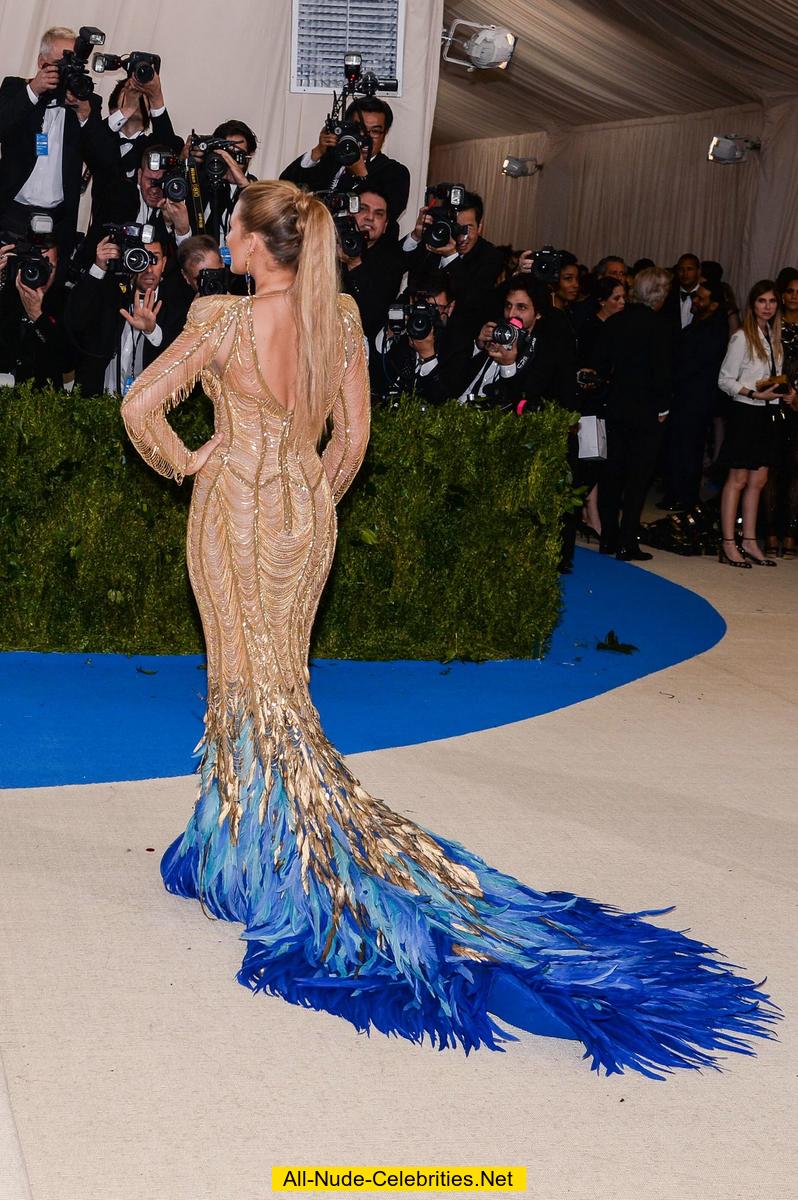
{"x": 316, "y": 308}
{"x": 299, "y": 231}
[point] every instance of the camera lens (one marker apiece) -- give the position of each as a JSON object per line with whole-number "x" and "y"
{"x": 175, "y": 188}
{"x": 504, "y": 334}
{"x": 144, "y": 72}
{"x": 136, "y": 260}
{"x": 419, "y": 323}
{"x": 80, "y": 85}
{"x": 215, "y": 167}
{"x": 438, "y": 234}
{"x": 35, "y": 273}
{"x": 348, "y": 150}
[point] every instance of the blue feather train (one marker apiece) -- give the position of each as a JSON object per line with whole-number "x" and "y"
{"x": 425, "y": 963}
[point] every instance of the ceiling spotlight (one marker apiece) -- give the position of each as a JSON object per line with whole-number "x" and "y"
{"x": 490, "y": 46}
{"x": 516, "y": 168}
{"x": 730, "y": 148}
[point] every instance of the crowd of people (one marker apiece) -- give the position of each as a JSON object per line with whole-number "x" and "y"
{"x": 681, "y": 381}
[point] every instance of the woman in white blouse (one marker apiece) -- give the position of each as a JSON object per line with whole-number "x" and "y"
{"x": 753, "y": 357}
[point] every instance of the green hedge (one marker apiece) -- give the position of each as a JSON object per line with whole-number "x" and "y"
{"x": 448, "y": 542}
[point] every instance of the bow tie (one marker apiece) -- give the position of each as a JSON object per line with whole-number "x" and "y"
{"x": 686, "y": 295}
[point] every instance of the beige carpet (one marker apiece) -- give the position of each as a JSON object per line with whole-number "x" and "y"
{"x": 137, "y": 1069}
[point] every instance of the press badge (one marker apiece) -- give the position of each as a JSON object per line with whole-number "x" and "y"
{"x": 127, "y": 385}
{"x": 41, "y": 145}
{"x": 227, "y": 257}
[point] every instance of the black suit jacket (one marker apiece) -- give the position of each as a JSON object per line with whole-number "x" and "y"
{"x": 37, "y": 350}
{"x": 375, "y": 283}
{"x": 473, "y": 278}
{"x": 95, "y": 324}
{"x": 634, "y": 351}
{"x": 114, "y": 189}
{"x": 388, "y": 174}
{"x": 20, "y": 121}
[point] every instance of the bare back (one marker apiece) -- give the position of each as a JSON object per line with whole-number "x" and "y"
{"x": 267, "y": 352}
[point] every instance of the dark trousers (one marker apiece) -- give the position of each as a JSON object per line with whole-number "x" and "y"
{"x": 631, "y": 458}
{"x": 686, "y": 435}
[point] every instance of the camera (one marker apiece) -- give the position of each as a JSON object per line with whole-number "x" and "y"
{"x": 132, "y": 241}
{"x": 174, "y": 183}
{"x": 444, "y": 202}
{"x": 352, "y": 140}
{"x": 215, "y": 167}
{"x": 73, "y": 74}
{"x": 139, "y": 65}
{"x": 352, "y": 137}
{"x": 343, "y": 206}
{"x": 213, "y": 281}
{"x": 546, "y": 264}
{"x": 33, "y": 268}
{"x": 511, "y": 333}
{"x": 416, "y": 319}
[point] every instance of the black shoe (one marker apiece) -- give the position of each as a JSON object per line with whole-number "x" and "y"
{"x": 608, "y": 547}
{"x": 731, "y": 562}
{"x": 757, "y": 560}
{"x": 633, "y": 554}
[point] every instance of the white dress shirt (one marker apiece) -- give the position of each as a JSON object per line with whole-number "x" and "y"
{"x": 686, "y": 307}
{"x": 44, "y": 187}
{"x": 740, "y": 370}
{"x": 487, "y": 374}
{"x": 131, "y": 346}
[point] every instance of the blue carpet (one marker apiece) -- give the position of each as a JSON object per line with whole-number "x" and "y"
{"x": 78, "y": 718}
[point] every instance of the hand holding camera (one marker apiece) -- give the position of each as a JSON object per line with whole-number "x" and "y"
{"x": 45, "y": 80}
{"x": 327, "y": 141}
{"x": 32, "y": 299}
{"x": 107, "y": 251}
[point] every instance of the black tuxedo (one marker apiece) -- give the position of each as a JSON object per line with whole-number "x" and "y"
{"x": 20, "y": 121}
{"x": 389, "y": 175}
{"x": 115, "y": 189}
{"x": 700, "y": 350}
{"x": 633, "y": 351}
{"x": 218, "y": 203}
{"x": 37, "y": 350}
{"x": 375, "y": 284}
{"x": 473, "y": 278}
{"x": 95, "y": 325}
{"x": 395, "y": 370}
{"x": 545, "y": 370}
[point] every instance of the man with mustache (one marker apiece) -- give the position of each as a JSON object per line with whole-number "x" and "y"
{"x": 373, "y": 277}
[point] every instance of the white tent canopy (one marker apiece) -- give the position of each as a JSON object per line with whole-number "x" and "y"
{"x": 619, "y": 99}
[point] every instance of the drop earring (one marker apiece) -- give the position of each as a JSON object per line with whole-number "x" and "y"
{"x": 248, "y": 277}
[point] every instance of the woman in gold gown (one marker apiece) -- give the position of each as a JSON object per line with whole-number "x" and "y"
{"x": 347, "y": 906}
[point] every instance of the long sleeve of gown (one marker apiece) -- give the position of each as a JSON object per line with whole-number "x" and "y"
{"x": 168, "y": 381}
{"x": 351, "y": 410}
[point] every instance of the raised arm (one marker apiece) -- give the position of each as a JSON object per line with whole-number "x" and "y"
{"x": 168, "y": 381}
{"x": 351, "y": 411}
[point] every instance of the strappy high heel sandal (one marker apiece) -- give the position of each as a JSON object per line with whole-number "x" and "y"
{"x": 731, "y": 562}
{"x": 756, "y": 559}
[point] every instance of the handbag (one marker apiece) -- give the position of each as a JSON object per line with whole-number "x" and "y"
{"x": 592, "y": 435}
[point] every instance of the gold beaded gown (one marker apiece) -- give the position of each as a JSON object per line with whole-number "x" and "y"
{"x": 347, "y": 906}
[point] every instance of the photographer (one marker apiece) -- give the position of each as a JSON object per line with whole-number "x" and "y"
{"x": 537, "y": 364}
{"x": 220, "y": 192}
{"x": 146, "y": 205}
{"x": 195, "y": 255}
{"x": 319, "y": 171}
{"x": 119, "y": 322}
{"x": 372, "y": 277}
{"x": 138, "y": 120}
{"x": 33, "y": 341}
{"x": 473, "y": 263}
{"x": 42, "y": 131}
{"x": 429, "y": 365}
